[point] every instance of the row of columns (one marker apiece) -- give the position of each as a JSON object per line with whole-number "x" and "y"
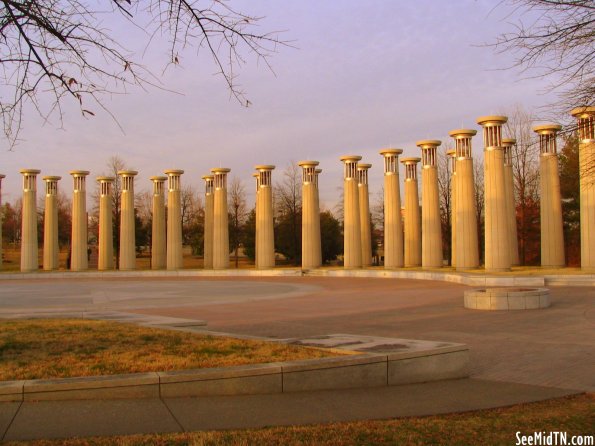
{"x": 414, "y": 240}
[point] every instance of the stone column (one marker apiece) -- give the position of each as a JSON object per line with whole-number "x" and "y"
{"x": 467, "y": 245}
{"x": 552, "y": 234}
{"x": 208, "y": 226}
{"x": 586, "y": 146}
{"x": 507, "y": 145}
{"x": 29, "y": 246}
{"x": 311, "y": 255}
{"x": 106, "y": 227}
{"x": 174, "y": 219}
{"x": 364, "y": 212}
{"x": 158, "y": 233}
{"x": 50, "y": 224}
{"x": 220, "y": 219}
{"x": 1, "y": 217}
{"x": 317, "y": 231}
{"x": 497, "y": 223}
{"x": 127, "y": 232}
{"x": 393, "y": 223}
{"x": 265, "y": 253}
{"x": 79, "y": 260}
{"x": 452, "y": 163}
{"x": 412, "y": 241}
{"x": 352, "y": 242}
{"x": 431, "y": 230}
{"x": 257, "y": 234}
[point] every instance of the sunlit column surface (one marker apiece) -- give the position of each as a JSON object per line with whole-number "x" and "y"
{"x": 497, "y": 233}
{"x": 106, "y": 228}
{"x": 317, "y": 237}
{"x": 465, "y": 212}
{"x": 174, "y": 219}
{"x": 220, "y": 219}
{"x": 352, "y": 243}
{"x": 50, "y": 224}
{"x": 431, "y": 230}
{"x": 79, "y": 244}
{"x": 393, "y": 223}
{"x": 311, "y": 255}
{"x": 29, "y": 247}
{"x": 127, "y": 233}
{"x": 507, "y": 145}
{"x": 586, "y": 134}
{"x": 265, "y": 238}
{"x": 1, "y": 217}
{"x": 208, "y": 226}
{"x": 552, "y": 234}
{"x": 452, "y": 163}
{"x": 158, "y": 226}
{"x": 412, "y": 240}
{"x": 364, "y": 212}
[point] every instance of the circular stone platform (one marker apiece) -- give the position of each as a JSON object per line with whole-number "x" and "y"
{"x": 507, "y": 298}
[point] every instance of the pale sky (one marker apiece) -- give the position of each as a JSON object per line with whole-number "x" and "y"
{"x": 363, "y": 76}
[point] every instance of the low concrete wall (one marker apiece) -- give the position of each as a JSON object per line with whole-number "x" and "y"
{"x": 507, "y": 299}
{"x": 351, "y": 371}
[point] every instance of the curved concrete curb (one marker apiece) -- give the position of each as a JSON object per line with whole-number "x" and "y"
{"x": 507, "y": 298}
{"x": 353, "y": 371}
{"x": 450, "y": 276}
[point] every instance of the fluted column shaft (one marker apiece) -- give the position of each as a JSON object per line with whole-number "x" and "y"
{"x": 105, "y": 259}
{"x": 412, "y": 241}
{"x": 452, "y": 161}
{"x": 467, "y": 244}
{"x": 497, "y": 224}
{"x": 127, "y": 230}
{"x": 352, "y": 243}
{"x": 586, "y": 135}
{"x": 552, "y": 234}
{"x": 220, "y": 219}
{"x": 431, "y": 236}
{"x": 364, "y": 211}
{"x": 158, "y": 232}
{"x": 79, "y": 244}
{"x": 29, "y": 246}
{"x": 507, "y": 145}
{"x": 265, "y": 253}
{"x": 393, "y": 222}
{"x": 311, "y": 255}
{"x": 208, "y": 226}
{"x": 174, "y": 220}
{"x": 50, "y": 224}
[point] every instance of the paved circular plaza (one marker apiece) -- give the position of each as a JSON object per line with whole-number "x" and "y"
{"x": 553, "y": 347}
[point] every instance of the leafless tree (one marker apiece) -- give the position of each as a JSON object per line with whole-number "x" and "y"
{"x": 239, "y": 212}
{"x": 556, "y": 41}
{"x": 444, "y": 191}
{"x": 478, "y": 178}
{"x": 288, "y": 211}
{"x": 54, "y": 51}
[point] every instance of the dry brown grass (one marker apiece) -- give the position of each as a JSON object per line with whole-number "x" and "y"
{"x": 41, "y": 349}
{"x": 574, "y": 415}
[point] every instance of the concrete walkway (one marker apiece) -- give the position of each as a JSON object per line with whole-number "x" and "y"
{"x": 65, "y": 419}
{"x": 516, "y": 356}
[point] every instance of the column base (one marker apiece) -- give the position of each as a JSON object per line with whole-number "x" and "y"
{"x": 498, "y": 270}
{"x": 588, "y": 269}
{"x": 555, "y": 266}
{"x": 466, "y": 268}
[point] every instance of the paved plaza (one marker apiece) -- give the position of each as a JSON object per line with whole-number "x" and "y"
{"x": 554, "y": 347}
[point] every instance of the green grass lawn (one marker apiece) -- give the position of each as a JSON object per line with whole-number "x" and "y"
{"x": 54, "y": 348}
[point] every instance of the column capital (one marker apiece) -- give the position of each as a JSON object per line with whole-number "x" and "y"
{"x": 350, "y": 166}
{"x": 389, "y": 152}
{"x": 158, "y": 179}
{"x": 583, "y": 112}
{"x": 79, "y": 173}
{"x": 350, "y": 158}
{"x": 492, "y": 120}
{"x": 220, "y": 170}
{"x": 105, "y": 179}
{"x": 363, "y": 166}
{"x": 51, "y": 178}
{"x": 462, "y": 133}
{"x": 2, "y": 176}
{"x": 547, "y": 129}
{"x": 264, "y": 167}
{"x": 127, "y": 173}
{"x": 362, "y": 173}
{"x": 428, "y": 151}
{"x": 30, "y": 172}
{"x": 410, "y": 160}
{"x": 425, "y": 144}
{"x": 173, "y": 172}
{"x": 308, "y": 163}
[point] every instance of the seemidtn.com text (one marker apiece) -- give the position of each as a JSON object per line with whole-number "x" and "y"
{"x": 553, "y": 439}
